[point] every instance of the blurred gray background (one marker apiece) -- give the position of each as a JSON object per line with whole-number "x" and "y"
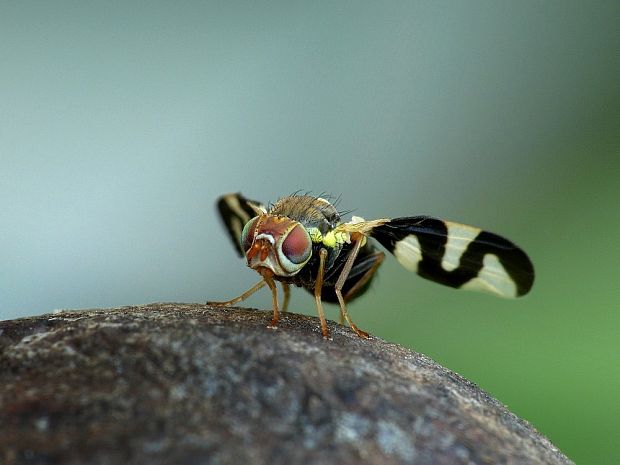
{"x": 121, "y": 122}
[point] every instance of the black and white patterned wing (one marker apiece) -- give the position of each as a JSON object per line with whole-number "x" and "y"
{"x": 458, "y": 255}
{"x": 235, "y": 211}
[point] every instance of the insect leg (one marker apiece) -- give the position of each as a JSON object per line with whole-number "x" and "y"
{"x": 287, "y": 296}
{"x": 317, "y": 293}
{"x": 358, "y": 238}
{"x": 378, "y": 259}
{"x": 361, "y": 273}
{"x": 274, "y": 296}
{"x": 243, "y": 296}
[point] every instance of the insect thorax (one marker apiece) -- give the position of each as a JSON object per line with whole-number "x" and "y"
{"x": 320, "y": 218}
{"x": 311, "y": 212}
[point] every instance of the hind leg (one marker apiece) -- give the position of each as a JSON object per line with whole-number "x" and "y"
{"x": 360, "y": 276}
{"x": 360, "y": 282}
{"x": 346, "y": 270}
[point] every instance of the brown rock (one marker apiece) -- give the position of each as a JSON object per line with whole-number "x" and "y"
{"x": 192, "y": 384}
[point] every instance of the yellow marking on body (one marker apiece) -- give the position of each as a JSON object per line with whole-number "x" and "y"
{"x": 334, "y": 238}
{"x": 342, "y": 237}
{"x": 315, "y": 234}
{"x": 331, "y": 239}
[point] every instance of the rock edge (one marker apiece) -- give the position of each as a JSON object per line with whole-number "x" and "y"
{"x": 194, "y": 384}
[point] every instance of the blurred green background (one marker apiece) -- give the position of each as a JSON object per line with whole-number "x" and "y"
{"x": 121, "y": 122}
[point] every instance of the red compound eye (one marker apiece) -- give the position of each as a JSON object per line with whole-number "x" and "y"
{"x": 297, "y": 246}
{"x": 248, "y": 233}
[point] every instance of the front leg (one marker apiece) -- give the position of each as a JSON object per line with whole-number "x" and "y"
{"x": 274, "y": 298}
{"x": 245, "y": 295}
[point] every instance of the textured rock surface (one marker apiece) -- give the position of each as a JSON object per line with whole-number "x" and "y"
{"x": 191, "y": 384}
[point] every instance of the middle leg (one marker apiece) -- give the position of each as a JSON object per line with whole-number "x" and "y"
{"x": 287, "y": 296}
{"x": 318, "y": 286}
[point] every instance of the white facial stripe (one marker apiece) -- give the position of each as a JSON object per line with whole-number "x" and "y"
{"x": 493, "y": 279}
{"x": 459, "y": 238}
{"x": 269, "y": 262}
{"x": 408, "y": 252}
{"x": 268, "y": 237}
{"x": 272, "y": 262}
